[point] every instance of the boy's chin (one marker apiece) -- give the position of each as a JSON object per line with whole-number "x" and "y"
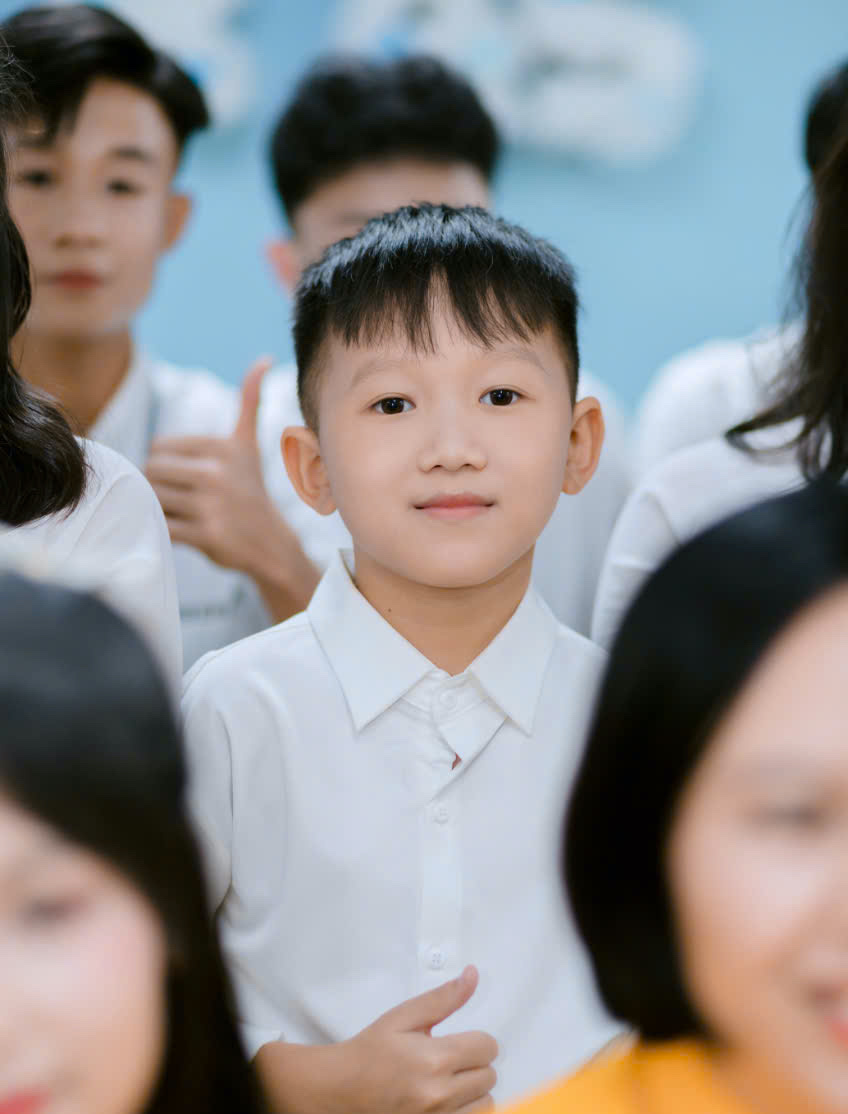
{"x": 457, "y": 572}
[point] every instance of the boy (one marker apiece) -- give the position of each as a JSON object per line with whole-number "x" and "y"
{"x": 378, "y": 782}
{"x": 359, "y": 138}
{"x": 92, "y": 191}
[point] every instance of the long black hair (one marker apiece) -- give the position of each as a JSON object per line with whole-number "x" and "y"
{"x": 90, "y": 746}
{"x": 685, "y": 648}
{"x": 42, "y": 465}
{"x": 813, "y": 389}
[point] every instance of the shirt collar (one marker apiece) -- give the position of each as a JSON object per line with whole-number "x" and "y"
{"x": 125, "y": 422}
{"x": 376, "y": 665}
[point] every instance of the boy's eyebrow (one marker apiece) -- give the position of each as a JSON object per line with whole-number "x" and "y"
{"x": 37, "y": 141}
{"x": 382, "y": 363}
{"x": 138, "y": 154}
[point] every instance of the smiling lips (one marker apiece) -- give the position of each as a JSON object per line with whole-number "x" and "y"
{"x": 455, "y": 508}
{"x": 23, "y": 1103}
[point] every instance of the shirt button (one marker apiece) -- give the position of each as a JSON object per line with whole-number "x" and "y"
{"x": 437, "y": 959}
{"x": 448, "y": 700}
{"x": 441, "y": 814}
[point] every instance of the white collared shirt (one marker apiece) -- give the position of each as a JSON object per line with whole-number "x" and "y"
{"x": 114, "y": 542}
{"x": 352, "y": 867}
{"x": 706, "y": 391}
{"x": 570, "y": 549}
{"x": 156, "y": 399}
{"x": 686, "y": 493}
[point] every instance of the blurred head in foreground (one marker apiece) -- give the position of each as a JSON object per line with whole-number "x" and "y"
{"x": 114, "y": 996}
{"x": 706, "y": 847}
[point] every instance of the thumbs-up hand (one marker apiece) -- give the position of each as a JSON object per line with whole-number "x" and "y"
{"x": 421, "y": 1073}
{"x": 394, "y": 1066}
{"x": 213, "y": 494}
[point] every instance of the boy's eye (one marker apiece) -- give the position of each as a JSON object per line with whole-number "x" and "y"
{"x": 120, "y": 186}
{"x": 500, "y": 396}
{"x": 392, "y": 405}
{"x": 35, "y": 177}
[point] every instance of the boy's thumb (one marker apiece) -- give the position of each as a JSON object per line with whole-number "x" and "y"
{"x": 251, "y": 390}
{"x": 420, "y": 1014}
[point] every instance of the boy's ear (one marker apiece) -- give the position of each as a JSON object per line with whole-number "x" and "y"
{"x": 584, "y": 446}
{"x": 178, "y": 210}
{"x": 283, "y": 257}
{"x": 305, "y": 466}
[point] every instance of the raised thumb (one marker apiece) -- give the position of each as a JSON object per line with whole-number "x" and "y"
{"x": 421, "y": 1013}
{"x": 251, "y": 391}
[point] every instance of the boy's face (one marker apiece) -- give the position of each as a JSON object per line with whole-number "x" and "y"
{"x": 445, "y": 466}
{"x": 340, "y": 207}
{"x": 96, "y": 210}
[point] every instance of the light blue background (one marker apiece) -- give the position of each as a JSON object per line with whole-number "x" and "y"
{"x": 694, "y": 246}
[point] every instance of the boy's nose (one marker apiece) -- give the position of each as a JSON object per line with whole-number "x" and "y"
{"x": 452, "y": 445}
{"x": 77, "y": 221}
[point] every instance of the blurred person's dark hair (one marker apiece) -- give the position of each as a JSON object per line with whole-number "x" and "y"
{"x": 493, "y": 277}
{"x": 348, "y": 110}
{"x": 42, "y": 465}
{"x": 683, "y": 653}
{"x": 64, "y": 48}
{"x": 827, "y": 110}
{"x": 812, "y": 390}
{"x": 90, "y": 746}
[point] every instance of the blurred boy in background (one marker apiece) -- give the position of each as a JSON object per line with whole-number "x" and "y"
{"x": 92, "y": 191}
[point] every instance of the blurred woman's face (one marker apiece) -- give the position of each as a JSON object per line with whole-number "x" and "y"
{"x": 758, "y": 874}
{"x": 82, "y": 978}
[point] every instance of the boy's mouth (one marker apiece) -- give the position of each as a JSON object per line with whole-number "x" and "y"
{"x": 76, "y": 279}
{"x": 453, "y": 507}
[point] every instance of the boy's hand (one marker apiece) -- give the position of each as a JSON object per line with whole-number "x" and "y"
{"x": 394, "y": 1066}
{"x": 213, "y": 494}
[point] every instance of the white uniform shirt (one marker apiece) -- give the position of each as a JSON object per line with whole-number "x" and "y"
{"x": 682, "y": 495}
{"x": 114, "y": 542}
{"x": 706, "y": 391}
{"x": 156, "y": 399}
{"x": 353, "y": 868}
{"x": 570, "y": 550}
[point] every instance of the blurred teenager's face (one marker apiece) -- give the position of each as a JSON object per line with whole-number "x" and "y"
{"x": 341, "y": 206}
{"x": 445, "y": 465}
{"x": 82, "y": 972}
{"x": 758, "y": 864}
{"x": 96, "y": 210}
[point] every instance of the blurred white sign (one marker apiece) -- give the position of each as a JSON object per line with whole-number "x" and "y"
{"x": 201, "y": 36}
{"x": 605, "y": 79}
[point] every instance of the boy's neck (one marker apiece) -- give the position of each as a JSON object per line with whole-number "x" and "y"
{"x": 81, "y": 374}
{"x": 449, "y": 626}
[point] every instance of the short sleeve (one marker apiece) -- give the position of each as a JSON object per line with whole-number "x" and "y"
{"x": 643, "y": 536}
{"x": 126, "y": 540}
{"x": 208, "y": 752}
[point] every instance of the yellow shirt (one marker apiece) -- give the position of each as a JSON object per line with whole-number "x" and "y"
{"x": 668, "y": 1078}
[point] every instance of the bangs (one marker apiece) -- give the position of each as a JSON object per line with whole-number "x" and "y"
{"x": 389, "y": 282}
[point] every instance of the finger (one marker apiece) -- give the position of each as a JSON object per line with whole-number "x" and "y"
{"x": 251, "y": 391}
{"x": 420, "y": 1014}
{"x": 178, "y": 471}
{"x": 187, "y": 446}
{"x": 464, "y": 1051}
{"x": 179, "y": 502}
{"x": 468, "y": 1087}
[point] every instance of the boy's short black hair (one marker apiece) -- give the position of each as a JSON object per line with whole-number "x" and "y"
{"x": 348, "y": 110}
{"x": 62, "y": 49}
{"x": 827, "y": 114}
{"x": 687, "y": 646}
{"x": 497, "y": 280}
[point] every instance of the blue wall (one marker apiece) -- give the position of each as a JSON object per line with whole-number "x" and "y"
{"x": 691, "y": 247}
